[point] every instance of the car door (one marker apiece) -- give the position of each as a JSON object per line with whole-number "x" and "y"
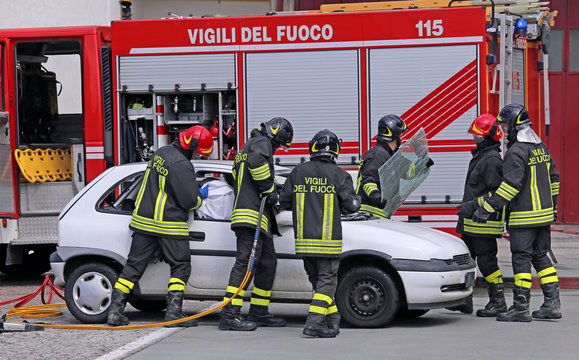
{"x": 213, "y": 250}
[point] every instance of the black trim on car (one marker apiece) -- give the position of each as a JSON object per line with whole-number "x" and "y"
{"x": 432, "y": 265}
{"x": 439, "y": 305}
{"x": 68, "y": 252}
{"x": 230, "y": 253}
{"x": 375, "y": 253}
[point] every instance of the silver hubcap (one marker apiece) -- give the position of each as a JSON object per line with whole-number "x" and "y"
{"x": 92, "y": 293}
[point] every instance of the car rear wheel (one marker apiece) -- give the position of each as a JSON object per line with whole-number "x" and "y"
{"x": 367, "y": 297}
{"x": 88, "y": 292}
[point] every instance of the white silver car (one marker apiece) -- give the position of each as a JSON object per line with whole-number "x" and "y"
{"x": 388, "y": 268}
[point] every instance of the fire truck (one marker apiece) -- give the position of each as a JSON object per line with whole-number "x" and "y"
{"x": 77, "y": 100}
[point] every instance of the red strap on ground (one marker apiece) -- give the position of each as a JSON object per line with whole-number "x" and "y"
{"x": 566, "y": 231}
{"x": 23, "y": 300}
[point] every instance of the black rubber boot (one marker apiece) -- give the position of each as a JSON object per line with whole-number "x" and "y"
{"x": 236, "y": 323}
{"x": 174, "y": 307}
{"x": 552, "y": 305}
{"x": 497, "y": 303}
{"x": 265, "y": 318}
{"x": 316, "y": 326}
{"x": 466, "y": 308}
{"x": 519, "y": 312}
{"x": 118, "y": 303}
{"x": 333, "y": 321}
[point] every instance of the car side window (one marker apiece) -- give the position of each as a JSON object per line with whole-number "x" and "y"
{"x": 120, "y": 199}
{"x": 218, "y": 206}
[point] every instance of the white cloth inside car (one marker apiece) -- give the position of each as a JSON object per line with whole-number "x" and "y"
{"x": 219, "y": 203}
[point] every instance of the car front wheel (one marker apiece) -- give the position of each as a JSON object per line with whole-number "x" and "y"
{"x": 88, "y": 292}
{"x": 367, "y": 297}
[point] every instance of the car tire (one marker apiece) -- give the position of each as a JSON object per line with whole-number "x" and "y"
{"x": 405, "y": 313}
{"x": 88, "y": 292}
{"x": 146, "y": 305}
{"x": 367, "y": 297}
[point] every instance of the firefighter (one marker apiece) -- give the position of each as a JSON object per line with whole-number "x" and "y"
{"x": 254, "y": 174}
{"x": 169, "y": 190}
{"x": 530, "y": 188}
{"x": 483, "y": 176}
{"x": 390, "y": 128}
{"x": 318, "y": 191}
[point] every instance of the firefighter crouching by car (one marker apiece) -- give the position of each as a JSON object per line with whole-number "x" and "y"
{"x": 318, "y": 191}
{"x": 253, "y": 172}
{"x": 390, "y": 128}
{"x": 483, "y": 176}
{"x": 530, "y": 187}
{"x": 169, "y": 190}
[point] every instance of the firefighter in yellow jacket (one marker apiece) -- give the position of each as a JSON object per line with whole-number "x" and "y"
{"x": 169, "y": 190}
{"x": 530, "y": 188}
{"x": 254, "y": 174}
{"x": 318, "y": 191}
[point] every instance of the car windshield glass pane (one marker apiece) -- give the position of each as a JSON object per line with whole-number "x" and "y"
{"x": 121, "y": 197}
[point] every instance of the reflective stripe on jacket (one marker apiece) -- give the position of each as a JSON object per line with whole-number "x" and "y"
{"x": 168, "y": 191}
{"x": 318, "y": 191}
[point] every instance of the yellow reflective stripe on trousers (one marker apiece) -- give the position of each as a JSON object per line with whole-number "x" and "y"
{"x": 141, "y": 190}
{"x": 495, "y": 278}
{"x": 261, "y": 292}
{"x": 548, "y": 275}
{"x": 237, "y": 301}
{"x": 535, "y": 198}
{"x": 176, "y": 285}
{"x": 328, "y": 216}
{"x": 332, "y": 309}
{"x": 124, "y": 285}
{"x": 232, "y": 290}
{"x": 318, "y": 309}
{"x": 262, "y": 302}
{"x": 322, "y": 297}
{"x": 524, "y": 280}
{"x": 300, "y": 197}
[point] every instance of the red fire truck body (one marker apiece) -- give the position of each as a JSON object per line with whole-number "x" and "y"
{"x": 340, "y": 71}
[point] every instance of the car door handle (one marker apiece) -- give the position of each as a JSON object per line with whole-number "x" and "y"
{"x": 196, "y": 236}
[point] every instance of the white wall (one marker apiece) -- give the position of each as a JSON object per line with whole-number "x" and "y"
{"x": 48, "y": 13}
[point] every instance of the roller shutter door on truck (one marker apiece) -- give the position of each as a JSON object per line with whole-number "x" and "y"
{"x": 435, "y": 87}
{"x": 314, "y": 90}
{"x": 216, "y": 71}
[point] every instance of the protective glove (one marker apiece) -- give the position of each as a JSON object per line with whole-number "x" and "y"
{"x": 555, "y": 217}
{"x": 272, "y": 199}
{"x": 204, "y": 191}
{"x": 429, "y": 163}
{"x": 481, "y": 216}
{"x": 466, "y": 209}
{"x": 376, "y": 199}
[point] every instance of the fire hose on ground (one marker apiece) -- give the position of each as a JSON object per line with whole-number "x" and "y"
{"x": 47, "y": 309}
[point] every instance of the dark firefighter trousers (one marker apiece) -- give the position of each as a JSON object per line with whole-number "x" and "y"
{"x": 263, "y": 273}
{"x": 323, "y": 275}
{"x": 144, "y": 247}
{"x": 530, "y": 246}
{"x": 484, "y": 251}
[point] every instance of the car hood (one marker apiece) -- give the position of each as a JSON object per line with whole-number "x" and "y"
{"x": 401, "y": 240}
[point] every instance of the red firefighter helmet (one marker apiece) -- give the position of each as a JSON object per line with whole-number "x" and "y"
{"x": 484, "y": 125}
{"x": 204, "y": 139}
